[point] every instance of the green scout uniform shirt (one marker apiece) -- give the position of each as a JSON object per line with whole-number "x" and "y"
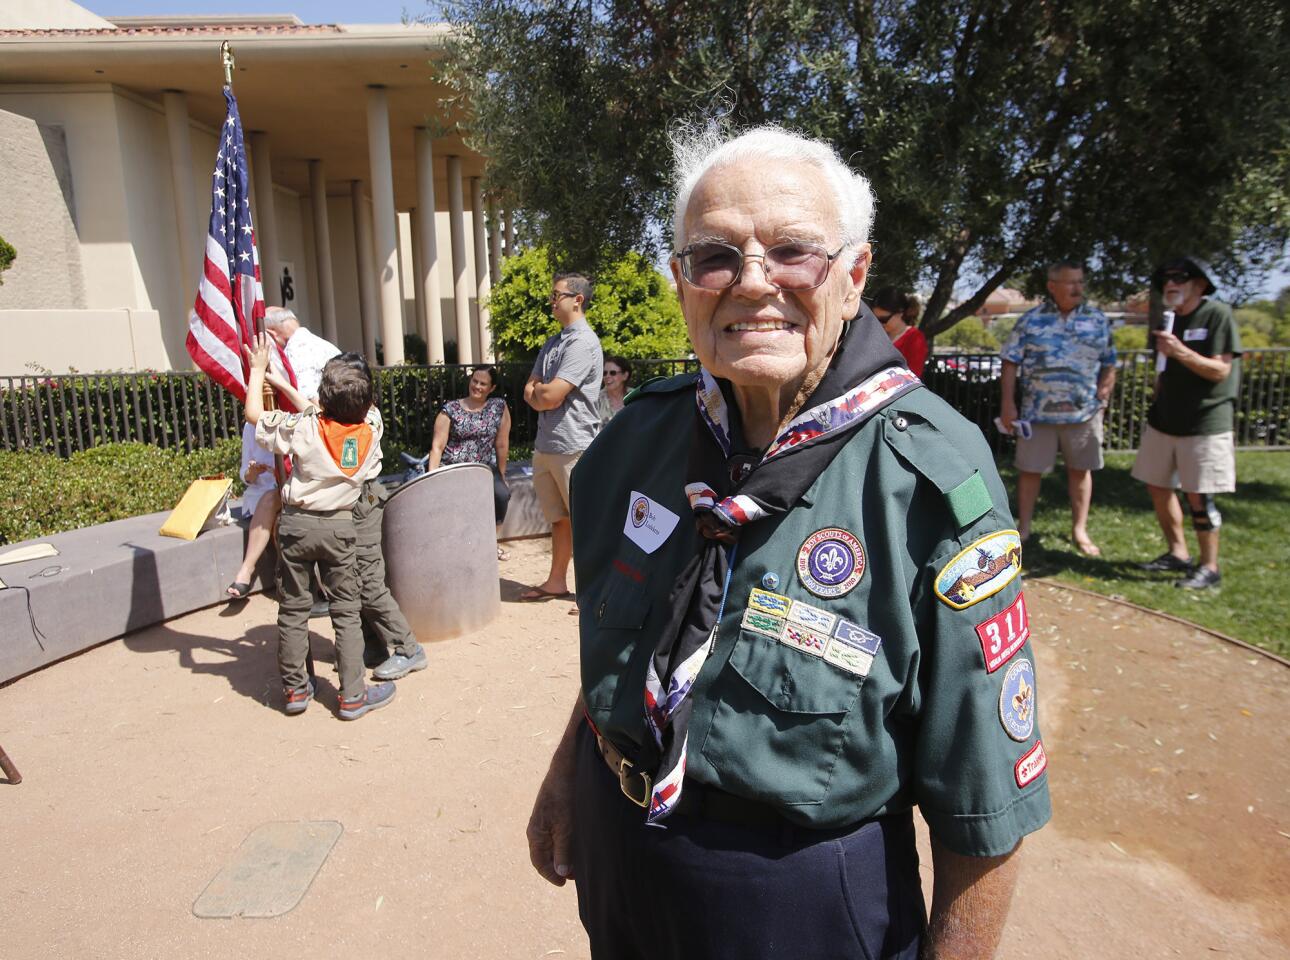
{"x": 916, "y": 485}
{"x": 1188, "y": 405}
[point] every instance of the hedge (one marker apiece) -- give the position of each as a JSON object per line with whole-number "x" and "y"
{"x": 46, "y": 494}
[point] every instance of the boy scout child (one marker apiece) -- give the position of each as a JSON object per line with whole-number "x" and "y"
{"x": 389, "y": 644}
{"x": 333, "y": 452}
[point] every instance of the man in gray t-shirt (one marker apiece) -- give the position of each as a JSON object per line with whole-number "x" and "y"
{"x": 563, "y": 387}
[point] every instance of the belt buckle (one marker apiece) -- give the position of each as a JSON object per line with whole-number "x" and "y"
{"x": 624, "y": 771}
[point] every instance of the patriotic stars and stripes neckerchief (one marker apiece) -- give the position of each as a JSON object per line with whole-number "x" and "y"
{"x": 700, "y": 592}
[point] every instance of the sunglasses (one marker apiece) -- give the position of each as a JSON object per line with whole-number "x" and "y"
{"x": 1177, "y": 276}
{"x": 712, "y": 265}
{"x": 559, "y": 295}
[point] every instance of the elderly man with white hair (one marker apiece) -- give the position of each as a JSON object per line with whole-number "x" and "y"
{"x": 307, "y": 352}
{"x": 809, "y": 621}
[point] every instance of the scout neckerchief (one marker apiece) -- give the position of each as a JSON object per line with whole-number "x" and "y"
{"x": 866, "y": 374}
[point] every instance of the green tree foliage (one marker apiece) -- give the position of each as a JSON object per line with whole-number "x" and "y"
{"x": 7, "y": 256}
{"x": 633, "y": 310}
{"x": 999, "y": 134}
{"x": 1264, "y": 323}
{"x": 1129, "y": 338}
{"x": 969, "y": 334}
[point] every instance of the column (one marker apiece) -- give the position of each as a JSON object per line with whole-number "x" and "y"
{"x": 494, "y": 243}
{"x": 460, "y": 285}
{"x": 428, "y": 277}
{"x": 266, "y": 221}
{"x": 385, "y": 230}
{"x": 322, "y": 250}
{"x": 181, "y": 175}
{"x": 482, "y": 285}
{"x": 367, "y": 302}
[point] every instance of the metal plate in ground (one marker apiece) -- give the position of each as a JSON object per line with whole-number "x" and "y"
{"x": 271, "y": 871}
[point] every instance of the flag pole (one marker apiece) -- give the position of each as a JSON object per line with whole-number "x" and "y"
{"x": 270, "y": 397}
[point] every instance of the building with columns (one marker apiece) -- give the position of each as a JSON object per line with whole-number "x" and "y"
{"x": 368, "y": 207}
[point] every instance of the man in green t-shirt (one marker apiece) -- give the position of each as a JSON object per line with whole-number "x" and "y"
{"x": 1188, "y": 439}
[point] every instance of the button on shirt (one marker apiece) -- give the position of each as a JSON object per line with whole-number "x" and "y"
{"x": 573, "y": 355}
{"x": 1060, "y": 358}
{"x": 308, "y": 354}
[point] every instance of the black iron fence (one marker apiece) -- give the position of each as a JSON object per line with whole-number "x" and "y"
{"x": 66, "y": 413}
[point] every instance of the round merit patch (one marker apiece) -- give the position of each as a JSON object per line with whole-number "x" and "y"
{"x": 1017, "y": 700}
{"x": 640, "y": 511}
{"x": 830, "y": 562}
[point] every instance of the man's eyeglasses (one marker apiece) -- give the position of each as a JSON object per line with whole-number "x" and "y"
{"x": 712, "y": 265}
{"x": 1176, "y": 276}
{"x": 558, "y": 295}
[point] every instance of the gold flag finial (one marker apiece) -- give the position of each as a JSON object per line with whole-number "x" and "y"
{"x": 226, "y": 57}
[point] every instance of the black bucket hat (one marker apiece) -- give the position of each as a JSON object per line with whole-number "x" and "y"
{"x": 1195, "y": 267}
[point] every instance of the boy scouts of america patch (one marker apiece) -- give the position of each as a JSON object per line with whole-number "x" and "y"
{"x": 981, "y": 570}
{"x": 349, "y": 453}
{"x": 830, "y": 562}
{"x": 1017, "y": 700}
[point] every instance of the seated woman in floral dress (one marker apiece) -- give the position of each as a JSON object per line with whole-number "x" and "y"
{"x": 476, "y": 429}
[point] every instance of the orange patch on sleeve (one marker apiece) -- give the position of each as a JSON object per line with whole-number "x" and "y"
{"x": 347, "y": 443}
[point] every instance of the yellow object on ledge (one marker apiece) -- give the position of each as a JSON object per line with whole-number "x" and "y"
{"x": 204, "y": 505}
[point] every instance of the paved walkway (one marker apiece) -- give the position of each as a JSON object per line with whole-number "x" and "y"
{"x": 149, "y": 760}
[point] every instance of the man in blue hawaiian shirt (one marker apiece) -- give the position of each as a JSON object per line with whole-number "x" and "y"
{"x": 1067, "y": 361}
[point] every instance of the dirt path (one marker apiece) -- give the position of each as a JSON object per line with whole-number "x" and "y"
{"x": 148, "y": 761}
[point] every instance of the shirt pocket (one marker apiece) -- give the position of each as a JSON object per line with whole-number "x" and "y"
{"x": 617, "y": 614}
{"x": 780, "y": 721}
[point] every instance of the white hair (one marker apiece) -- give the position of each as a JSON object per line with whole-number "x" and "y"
{"x": 698, "y": 149}
{"x": 275, "y": 317}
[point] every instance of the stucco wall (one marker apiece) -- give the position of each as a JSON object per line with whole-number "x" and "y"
{"x": 88, "y": 115}
{"x": 36, "y": 209}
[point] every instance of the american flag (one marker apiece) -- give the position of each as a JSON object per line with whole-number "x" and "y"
{"x": 230, "y": 297}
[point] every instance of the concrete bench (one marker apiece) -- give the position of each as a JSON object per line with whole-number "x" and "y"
{"x": 109, "y": 580}
{"x": 118, "y": 577}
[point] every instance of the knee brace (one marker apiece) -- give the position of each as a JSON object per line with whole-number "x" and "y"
{"x": 1207, "y": 517}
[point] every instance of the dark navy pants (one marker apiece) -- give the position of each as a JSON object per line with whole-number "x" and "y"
{"x": 708, "y": 890}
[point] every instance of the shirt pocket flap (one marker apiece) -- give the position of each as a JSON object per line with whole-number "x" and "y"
{"x": 792, "y": 681}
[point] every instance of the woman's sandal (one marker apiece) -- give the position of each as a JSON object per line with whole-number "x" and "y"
{"x": 502, "y": 554}
{"x": 238, "y": 590}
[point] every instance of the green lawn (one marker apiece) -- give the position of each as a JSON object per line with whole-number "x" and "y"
{"x": 1251, "y": 602}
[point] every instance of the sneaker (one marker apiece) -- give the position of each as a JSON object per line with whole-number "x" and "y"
{"x": 298, "y": 698}
{"x": 1168, "y": 563}
{"x": 400, "y": 666}
{"x": 1202, "y": 578}
{"x": 374, "y": 697}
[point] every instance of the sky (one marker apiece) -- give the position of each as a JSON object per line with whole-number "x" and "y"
{"x": 310, "y": 11}
{"x": 347, "y": 11}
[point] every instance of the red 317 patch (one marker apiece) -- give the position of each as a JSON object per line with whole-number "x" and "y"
{"x": 1004, "y": 634}
{"x": 1032, "y": 763}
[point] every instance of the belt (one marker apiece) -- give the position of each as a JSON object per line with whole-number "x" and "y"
{"x": 635, "y": 784}
{"x": 698, "y": 801}
{"x": 293, "y": 510}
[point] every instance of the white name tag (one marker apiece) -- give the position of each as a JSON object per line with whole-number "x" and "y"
{"x": 648, "y": 522}
{"x": 1196, "y": 333}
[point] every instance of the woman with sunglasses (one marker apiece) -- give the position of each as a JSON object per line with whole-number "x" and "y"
{"x": 891, "y": 307}
{"x": 476, "y": 429}
{"x": 618, "y": 376}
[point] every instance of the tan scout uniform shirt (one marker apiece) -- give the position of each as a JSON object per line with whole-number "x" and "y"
{"x": 329, "y": 460}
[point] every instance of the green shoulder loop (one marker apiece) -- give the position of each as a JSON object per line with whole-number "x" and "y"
{"x": 661, "y": 385}
{"x": 911, "y": 430}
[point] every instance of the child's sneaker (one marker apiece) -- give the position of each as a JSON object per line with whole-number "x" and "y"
{"x": 298, "y": 698}
{"x": 373, "y": 698}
